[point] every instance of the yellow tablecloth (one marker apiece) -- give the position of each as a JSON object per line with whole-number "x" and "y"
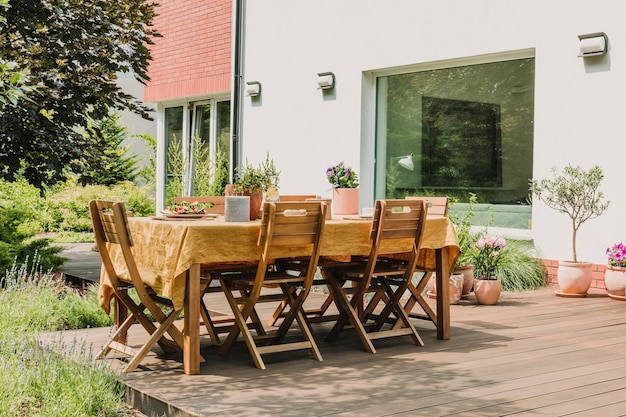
{"x": 164, "y": 250}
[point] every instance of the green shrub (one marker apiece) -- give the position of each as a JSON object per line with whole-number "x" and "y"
{"x": 68, "y": 206}
{"x": 21, "y": 206}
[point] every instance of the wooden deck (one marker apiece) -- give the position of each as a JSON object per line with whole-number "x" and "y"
{"x": 533, "y": 354}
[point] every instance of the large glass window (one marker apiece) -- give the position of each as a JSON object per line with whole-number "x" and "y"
{"x": 197, "y": 148}
{"x": 173, "y": 132}
{"x": 459, "y": 131}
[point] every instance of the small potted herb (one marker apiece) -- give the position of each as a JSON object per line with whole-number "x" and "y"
{"x": 254, "y": 181}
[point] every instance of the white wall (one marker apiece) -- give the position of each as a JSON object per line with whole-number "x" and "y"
{"x": 579, "y": 104}
{"x": 134, "y": 123}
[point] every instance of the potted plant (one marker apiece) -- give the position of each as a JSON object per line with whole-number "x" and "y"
{"x": 254, "y": 181}
{"x": 485, "y": 255}
{"x": 465, "y": 237}
{"x": 345, "y": 192}
{"x": 575, "y": 192}
{"x": 615, "y": 274}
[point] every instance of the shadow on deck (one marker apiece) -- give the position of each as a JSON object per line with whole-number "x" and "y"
{"x": 533, "y": 354}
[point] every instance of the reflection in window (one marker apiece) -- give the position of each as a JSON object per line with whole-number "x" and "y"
{"x": 173, "y": 132}
{"x": 456, "y": 134}
{"x": 467, "y": 129}
{"x": 197, "y": 150}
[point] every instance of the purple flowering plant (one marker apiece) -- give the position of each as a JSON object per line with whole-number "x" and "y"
{"x": 486, "y": 254}
{"x": 342, "y": 176}
{"x": 617, "y": 255}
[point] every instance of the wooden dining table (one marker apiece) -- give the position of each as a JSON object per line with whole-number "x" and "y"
{"x": 170, "y": 252}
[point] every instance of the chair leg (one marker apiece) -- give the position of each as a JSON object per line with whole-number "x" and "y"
{"x": 416, "y": 296}
{"x": 349, "y": 313}
{"x": 308, "y": 335}
{"x": 210, "y": 327}
{"x": 394, "y": 306}
{"x": 278, "y": 313}
{"x": 114, "y": 342}
{"x": 160, "y": 331}
{"x": 241, "y": 317}
{"x": 120, "y": 314}
{"x": 295, "y": 301}
{"x": 168, "y": 346}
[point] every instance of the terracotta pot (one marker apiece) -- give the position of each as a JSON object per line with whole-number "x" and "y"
{"x": 455, "y": 288}
{"x": 615, "y": 282}
{"x": 574, "y": 278}
{"x": 467, "y": 271}
{"x": 256, "y": 199}
{"x": 345, "y": 201}
{"x": 487, "y": 291}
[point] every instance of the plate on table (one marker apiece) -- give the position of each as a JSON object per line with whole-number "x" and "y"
{"x": 171, "y": 215}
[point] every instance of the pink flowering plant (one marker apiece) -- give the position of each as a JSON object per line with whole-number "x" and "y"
{"x": 342, "y": 176}
{"x": 617, "y": 255}
{"x": 486, "y": 255}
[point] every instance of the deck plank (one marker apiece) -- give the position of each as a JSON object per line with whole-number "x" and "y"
{"x": 531, "y": 354}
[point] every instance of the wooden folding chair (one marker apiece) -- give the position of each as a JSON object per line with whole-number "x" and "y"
{"x": 386, "y": 277}
{"x": 314, "y": 315}
{"x": 223, "y": 322}
{"x": 110, "y": 226}
{"x": 284, "y": 225}
{"x": 437, "y": 207}
{"x": 287, "y": 198}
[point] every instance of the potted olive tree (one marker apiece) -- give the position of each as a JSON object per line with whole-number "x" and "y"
{"x": 575, "y": 192}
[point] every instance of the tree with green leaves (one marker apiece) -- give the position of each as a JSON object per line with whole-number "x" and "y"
{"x": 12, "y": 78}
{"x": 107, "y": 161}
{"x": 74, "y": 50}
{"x": 574, "y": 191}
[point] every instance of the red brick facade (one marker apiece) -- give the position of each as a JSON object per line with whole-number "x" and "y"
{"x": 194, "y": 55}
{"x": 597, "y": 281}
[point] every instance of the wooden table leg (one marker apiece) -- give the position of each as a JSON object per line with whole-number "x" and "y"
{"x": 443, "y": 293}
{"x": 191, "y": 348}
{"x": 120, "y": 314}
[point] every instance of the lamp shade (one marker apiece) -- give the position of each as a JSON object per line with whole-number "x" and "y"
{"x": 593, "y": 44}
{"x": 406, "y": 162}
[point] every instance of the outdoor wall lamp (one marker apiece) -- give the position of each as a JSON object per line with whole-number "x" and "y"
{"x": 326, "y": 80}
{"x": 253, "y": 88}
{"x": 406, "y": 162}
{"x": 593, "y": 44}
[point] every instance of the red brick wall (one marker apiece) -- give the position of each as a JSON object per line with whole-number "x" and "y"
{"x": 193, "y": 56}
{"x": 597, "y": 280}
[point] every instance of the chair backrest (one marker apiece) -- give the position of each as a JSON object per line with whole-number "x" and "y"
{"x": 292, "y": 224}
{"x": 217, "y": 202}
{"x": 397, "y": 219}
{"x": 295, "y": 197}
{"x": 110, "y": 227}
{"x": 437, "y": 206}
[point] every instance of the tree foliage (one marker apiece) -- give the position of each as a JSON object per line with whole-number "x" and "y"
{"x": 575, "y": 192}
{"x": 73, "y": 50}
{"x": 107, "y": 162}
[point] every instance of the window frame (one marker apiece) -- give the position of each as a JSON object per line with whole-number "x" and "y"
{"x": 378, "y": 77}
{"x": 189, "y": 127}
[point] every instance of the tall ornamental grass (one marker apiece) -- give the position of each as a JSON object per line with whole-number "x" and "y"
{"x": 56, "y": 378}
{"x": 519, "y": 267}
